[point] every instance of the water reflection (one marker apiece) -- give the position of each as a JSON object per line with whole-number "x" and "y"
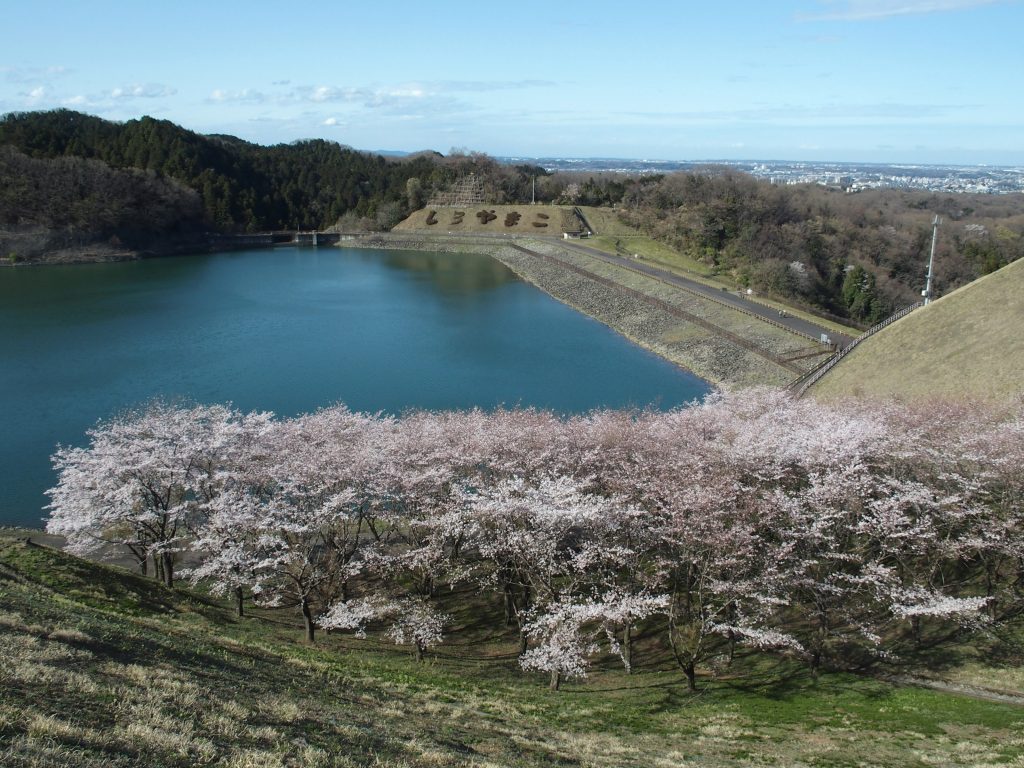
{"x": 290, "y": 330}
{"x": 456, "y": 274}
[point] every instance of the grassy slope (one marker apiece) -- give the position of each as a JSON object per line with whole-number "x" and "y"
{"x": 611, "y": 236}
{"x": 102, "y": 668}
{"x": 446, "y": 220}
{"x": 969, "y": 342}
{"x": 616, "y": 237}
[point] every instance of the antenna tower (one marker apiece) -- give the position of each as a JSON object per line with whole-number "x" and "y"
{"x": 927, "y": 292}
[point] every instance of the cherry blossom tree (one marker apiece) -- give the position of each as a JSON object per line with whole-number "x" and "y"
{"x": 412, "y": 620}
{"x": 312, "y": 509}
{"x": 829, "y": 531}
{"x": 142, "y": 483}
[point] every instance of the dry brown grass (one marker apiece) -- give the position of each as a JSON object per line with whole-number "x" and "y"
{"x": 970, "y": 342}
{"x": 181, "y": 686}
{"x": 503, "y": 221}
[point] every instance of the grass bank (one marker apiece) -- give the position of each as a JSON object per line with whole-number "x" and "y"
{"x": 966, "y": 343}
{"x": 520, "y": 219}
{"x": 104, "y": 668}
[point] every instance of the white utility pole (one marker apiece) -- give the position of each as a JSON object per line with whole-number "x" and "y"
{"x": 927, "y": 292}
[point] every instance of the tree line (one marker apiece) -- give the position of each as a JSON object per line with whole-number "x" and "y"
{"x": 837, "y": 534}
{"x": 243, "y": 186}
{"x": 247, "y": 187}
{"x": 69, "y": 202}
{"x": 857, "y": 256}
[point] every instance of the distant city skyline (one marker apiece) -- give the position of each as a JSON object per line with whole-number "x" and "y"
{"x": 887, "y": 81}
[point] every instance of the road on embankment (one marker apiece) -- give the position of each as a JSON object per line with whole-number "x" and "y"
{"x": 795, "y": 324}
{"x": 724, "y": 339}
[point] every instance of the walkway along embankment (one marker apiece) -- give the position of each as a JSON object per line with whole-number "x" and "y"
{"x": 673, "y": 310}
{"x": 702, "y": 334}
{"x": 763, "y": 313}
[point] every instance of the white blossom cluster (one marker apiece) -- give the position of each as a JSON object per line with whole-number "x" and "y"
{"x": 748, "y": 521}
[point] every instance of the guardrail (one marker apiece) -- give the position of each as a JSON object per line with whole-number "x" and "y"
{"x": 695, "y": 292}
{"x": 805, "y": 382}
{"x": 663, "y": 305}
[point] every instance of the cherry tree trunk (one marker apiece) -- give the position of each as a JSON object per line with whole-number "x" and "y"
{"x": 239, "y": 601}
{"x": 627, "y": 648}
{"x": 556, "y": 680}
{"x": 307, "y": 619}
{"x": 690, "y": 669}
{"x": 167, "y": 569}
{"x": 815, "y": 663}
{"x": 510, "y": 606}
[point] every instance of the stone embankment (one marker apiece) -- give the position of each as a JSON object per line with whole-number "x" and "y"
{"x": 725, "y": 347}
{"x": 710, "y": 354}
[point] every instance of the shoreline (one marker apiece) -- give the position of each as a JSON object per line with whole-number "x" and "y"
{"x": 100, "y": 254}
{"x": 723, "y": 348}
{"x": 653, "y": 317}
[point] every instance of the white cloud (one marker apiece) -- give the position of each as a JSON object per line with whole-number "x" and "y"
{"x": 321, "y": 94}
{"x": 245, "y": 95}
{"x": 867, "y": 10}
{"x": 142, "y": 91}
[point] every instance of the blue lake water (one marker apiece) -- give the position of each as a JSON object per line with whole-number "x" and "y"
{"x": 290, "y": 330}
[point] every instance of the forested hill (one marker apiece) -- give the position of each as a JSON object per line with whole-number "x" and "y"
{"x": 860, "y": 256}
{"x": 242, "y": 186}
{"x": 75, "y": 183}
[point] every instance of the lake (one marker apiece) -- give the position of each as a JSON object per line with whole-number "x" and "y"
{"x": 289, "y": 330}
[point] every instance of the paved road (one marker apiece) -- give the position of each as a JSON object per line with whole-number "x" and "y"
{"x": 768, "y": 314}
{"x": 724, "y": 297}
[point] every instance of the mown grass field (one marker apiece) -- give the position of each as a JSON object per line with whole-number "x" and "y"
{"x": 966, "y": 343}
{"x": 105, "y": 668}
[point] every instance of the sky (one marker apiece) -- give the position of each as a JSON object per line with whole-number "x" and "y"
{"x": 895, "y": 81}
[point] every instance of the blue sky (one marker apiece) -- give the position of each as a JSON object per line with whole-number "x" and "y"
{"x": 916, "y": 81}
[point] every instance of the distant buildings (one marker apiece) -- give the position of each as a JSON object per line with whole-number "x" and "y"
{"x": 850, "y": 177}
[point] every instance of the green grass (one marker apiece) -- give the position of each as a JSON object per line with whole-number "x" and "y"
{"x": 90, "y": 679}
{"x": 657, "y": 254}
{"x": 616, "y": 238}
{"x": 966, "y": 343}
